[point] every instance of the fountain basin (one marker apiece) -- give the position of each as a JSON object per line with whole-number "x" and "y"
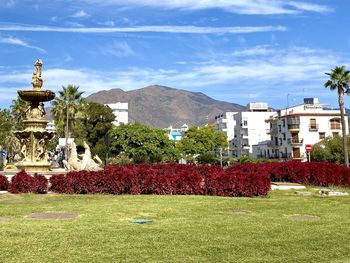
{"x": 36, "y": 95}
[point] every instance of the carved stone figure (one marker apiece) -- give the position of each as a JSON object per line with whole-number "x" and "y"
{"x": 37, "y": 81}
{"x": 87, "y": 163}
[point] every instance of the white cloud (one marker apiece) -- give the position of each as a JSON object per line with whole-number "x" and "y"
{"x": 270, "y": 77}
{"x": 310, "y": 7}
{"x": 250, "y": 7}
{"x": 136, "y": 29}
{"x": 9, "y": 3}
{"x": 80, "y": 14}
{"x": 18, "y": 42}
{"x": 118, "y": 49}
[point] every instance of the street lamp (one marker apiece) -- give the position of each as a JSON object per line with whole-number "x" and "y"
{"x": 67, "y": 130}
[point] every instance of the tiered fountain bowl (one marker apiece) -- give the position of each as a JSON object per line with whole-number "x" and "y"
{"x": 34, "y": 138}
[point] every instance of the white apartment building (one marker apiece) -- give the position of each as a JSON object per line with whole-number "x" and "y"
{"x": 292, "y": 128}
{"x": 121, "y": 111}
{"x": 250, "y": 128}
{"x": 225, "y": 122}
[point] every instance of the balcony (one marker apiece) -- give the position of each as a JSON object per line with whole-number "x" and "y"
{"x": 295, "y": 141}
{"x": 245, "y": 146}
{"x": 294, "y": 127}
{"x": 313, "y": 127}
{"x": 272, "y": 144}
{"x": 272, "y": 131}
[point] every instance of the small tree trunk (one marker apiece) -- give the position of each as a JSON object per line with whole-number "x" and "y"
{"x": 343, "y": 126}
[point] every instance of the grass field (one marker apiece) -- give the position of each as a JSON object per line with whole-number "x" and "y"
{"x": 184, "y": 229}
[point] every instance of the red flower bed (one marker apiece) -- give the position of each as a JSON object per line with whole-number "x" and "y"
{"x": 238, "y": 180}
{"x": 24, "y": 183}
{"x": 40, "y": 184}
{"x": 313, "y": 173}
{"x": 4, "y": 183}
{"x": 163, "y": 179}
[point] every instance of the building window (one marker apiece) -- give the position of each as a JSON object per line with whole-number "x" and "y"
{"x": 312, "y": 125}
{"x": 322, "y": 135}
{"x": 335, "y": 133}
{"x": 284, "y": 123}
{"x": 335, "y": 124}
{"x": 279, "y": 128}
{"x": 284, "y": 136}
{"x": 280, "y": 139}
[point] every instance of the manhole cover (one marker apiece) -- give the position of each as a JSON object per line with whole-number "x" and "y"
{"x": 6, "y": 219}
{"x": 140, "y": 221}
{"x": 241, "y": 212}
{"x": 52, "y": 216}
{"x": 308, "y": 218}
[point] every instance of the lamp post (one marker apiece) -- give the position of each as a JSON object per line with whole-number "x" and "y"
{"x": 67, "y": 129}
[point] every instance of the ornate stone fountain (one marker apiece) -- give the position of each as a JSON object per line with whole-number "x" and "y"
{"x": 34, "y": 138}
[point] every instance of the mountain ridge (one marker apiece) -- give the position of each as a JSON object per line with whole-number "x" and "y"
{"x": 162, "y": 106}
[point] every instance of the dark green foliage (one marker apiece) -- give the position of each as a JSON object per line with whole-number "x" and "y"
{"x": 329, "y": 150}
{"x": 92, "y": 125}
{"x": 201, "y": 140}
{"x": 208, "y": 158}
{"x": 142, "y": 144}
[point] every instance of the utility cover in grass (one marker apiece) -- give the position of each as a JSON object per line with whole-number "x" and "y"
{"x": 53, "y": 215}
{"x": 6, "y": 219}
{"x": 240, "y": 212}
{"x": 140, "y": 221}
{"x": 305, "y": 218}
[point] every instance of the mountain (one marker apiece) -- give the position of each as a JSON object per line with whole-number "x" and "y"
{"x": 160, "y": 106}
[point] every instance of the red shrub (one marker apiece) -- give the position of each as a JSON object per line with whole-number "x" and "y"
{"x": 58, "y": 183}
{"x": 82, "y": 182}
{"x": 4, "y": 183}
{"x": 118, "y": 179}
{"x": 22, "y": 183}
{"x": 245, "y": 180}
{"x": 40, "y": 184}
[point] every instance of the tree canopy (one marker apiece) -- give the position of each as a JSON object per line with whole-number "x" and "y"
{"x": 201, "y": 140}
{"x": 339, "y": 79}
{"x": 141, "y": 143}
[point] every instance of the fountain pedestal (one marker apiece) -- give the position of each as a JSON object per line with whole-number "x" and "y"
{"x": 34, "y": 138}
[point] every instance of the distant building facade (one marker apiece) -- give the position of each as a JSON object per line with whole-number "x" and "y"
{"x": 121, "y": 112}
{"x": 176, "y": 134}
{"x": 226, "y": 123}
{"x": 250, "y": 128}
{"x": 292, "y": 128}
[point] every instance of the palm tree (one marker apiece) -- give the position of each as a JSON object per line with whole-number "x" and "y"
{"x": 19, "y": 109}
{"x": 65, "y": 107}
{"x": 339, "y": 80}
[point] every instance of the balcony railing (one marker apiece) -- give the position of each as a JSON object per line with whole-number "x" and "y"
{"x": 272, "y": 131}
{"x": 272, "y": 144}
{"x": 313, "y": 127}
{"x": 295, "y": 141}
{"x": 293, "y": 127}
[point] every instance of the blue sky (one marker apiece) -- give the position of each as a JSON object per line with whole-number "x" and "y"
{"x": 238, "y": 51}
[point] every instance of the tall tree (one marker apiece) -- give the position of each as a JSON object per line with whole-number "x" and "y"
{"x": 339, "y": 79}
{"x": 142, "y": 144}
{"x": 19, "y": 109}
{"x": 201, "y": 140}
{"x": 64, "y": 109}
{"x": 92, "y": 125}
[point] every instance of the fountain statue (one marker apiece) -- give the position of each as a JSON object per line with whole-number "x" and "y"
{"x": 34, "y": 138}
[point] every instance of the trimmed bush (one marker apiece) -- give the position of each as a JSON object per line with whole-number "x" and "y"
{"x": 41, "y": 184}
{"x": 22, "y": 183}
{"x": 4, "y": 183}
{"x": 58, "y": 183}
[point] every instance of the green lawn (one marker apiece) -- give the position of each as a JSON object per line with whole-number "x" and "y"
{"x": 184, "y": 229}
